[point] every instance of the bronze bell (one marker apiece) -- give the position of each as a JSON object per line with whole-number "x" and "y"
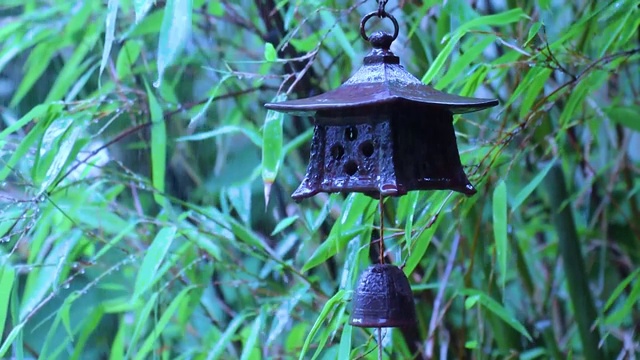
{"x": 383, "y": 298}
{"x": 383, "y": 132}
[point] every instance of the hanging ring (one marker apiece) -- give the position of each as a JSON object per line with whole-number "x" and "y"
{"x": 396, "y": 27}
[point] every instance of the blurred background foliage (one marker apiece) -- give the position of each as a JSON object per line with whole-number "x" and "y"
{"x": 132, "y": 198}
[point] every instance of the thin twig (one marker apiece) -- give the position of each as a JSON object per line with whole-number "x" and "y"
{"x": 435, "y": 316}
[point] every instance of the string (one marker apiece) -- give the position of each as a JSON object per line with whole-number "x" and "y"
{"x": 379, "y": 343}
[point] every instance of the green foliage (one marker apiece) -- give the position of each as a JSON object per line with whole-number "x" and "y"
{"x": 136, "y": 155}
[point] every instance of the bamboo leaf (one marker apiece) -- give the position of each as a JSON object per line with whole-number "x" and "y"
{"x": 499, "y": 19}
{"x": 615, "y": 294}
{"x": 247, "y": 131}
{"x": 254, "y": 334}
{"x": 533, "y": 89}
{"x": 475, "y": 296}
{"x": 500, "y": 227}
{"x": 283, "y": 224}
{"x": 470, "y": 55}
{"x": 167, "y": 314}
{"x": 141, "y": 321}
{"x": 158, "y": 147}
{"x": 530, "y": 187}
{"x": 272, "y": 140}
{"x": 69, "y": 73}
{"x": 42, "y": 281}
{"x": 329, "y": 306}
{"x": 426, "y": 232}
{"x": 174, "y": 33}
{"x": 204, "y": 109}
{"x": 152, "y": 260}
{"x": 7, "y": 278}
{"x": 109, "y": 32}
{"x": 357, "y": 215}
{"x": 628, "y": 116}
{"x": 533, "y": 31}
{"x": 270, "y": 53}
{"x": 224, "y": 340}
{"x": 127, "y": 57}
{"x": 345, "y": 342}
{"x": 8, "y": 340}
{"x": 330, "y": 247}
{"x": 141, "y": 7}
{"x": 624, "y": 313}
{"x": 36, "y": 64}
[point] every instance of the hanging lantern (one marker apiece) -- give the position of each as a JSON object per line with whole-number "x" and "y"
{"x": 383, "y": 132}
{"x": 383, "y": 298}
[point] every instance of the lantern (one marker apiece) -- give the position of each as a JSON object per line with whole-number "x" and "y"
{"x": 383, "y": 132}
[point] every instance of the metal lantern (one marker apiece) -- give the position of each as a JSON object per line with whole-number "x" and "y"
{"x": 383, "y": 132}
{"x": 383, "y": 298}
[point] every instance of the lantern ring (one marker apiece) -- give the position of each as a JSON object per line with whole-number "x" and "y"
{"x": 396, "y": 27}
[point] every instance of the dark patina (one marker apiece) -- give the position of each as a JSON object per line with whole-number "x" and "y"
{"x": 383, "y": 298}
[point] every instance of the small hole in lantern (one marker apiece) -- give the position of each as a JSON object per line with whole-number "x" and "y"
{"x": 337, "y": 151}
{"x": 351, "y": 167}
{"x": 351, "y": 133}
{"x": 367, "y": 148}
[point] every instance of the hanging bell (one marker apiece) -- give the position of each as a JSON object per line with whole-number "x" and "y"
{"x": 383, "y": 298}
{"x": 383, "y": 132}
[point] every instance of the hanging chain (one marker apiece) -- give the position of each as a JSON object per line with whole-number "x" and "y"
{"x": 381, "y": 11}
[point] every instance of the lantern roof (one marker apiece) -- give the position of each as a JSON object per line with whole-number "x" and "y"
{"x": 381, "y": 81}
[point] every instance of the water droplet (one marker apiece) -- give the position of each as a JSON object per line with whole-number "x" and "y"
{"x": 157, "y": 83}
{"x": 65, "y": 285}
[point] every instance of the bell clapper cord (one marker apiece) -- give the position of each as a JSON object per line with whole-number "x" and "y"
{"x": 381, "y": 256}
{"x": 381, "y": 13}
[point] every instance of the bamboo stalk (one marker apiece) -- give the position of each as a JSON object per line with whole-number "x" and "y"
{"x": 573, "y": 265}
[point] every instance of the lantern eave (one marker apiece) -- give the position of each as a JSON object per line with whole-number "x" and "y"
{"x": 354, "y": 99}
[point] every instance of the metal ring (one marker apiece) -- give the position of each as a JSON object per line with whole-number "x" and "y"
{"x": 396, "y": 27}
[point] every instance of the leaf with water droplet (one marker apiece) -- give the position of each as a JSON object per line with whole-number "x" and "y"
{"x": 174, "y": 33}
{"x": 271, "y": 148}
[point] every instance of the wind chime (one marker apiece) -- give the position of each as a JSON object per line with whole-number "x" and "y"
{"x": 383, "y": 133}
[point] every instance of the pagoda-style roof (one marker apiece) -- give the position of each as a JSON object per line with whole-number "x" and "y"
{"x": 381, "y": 81}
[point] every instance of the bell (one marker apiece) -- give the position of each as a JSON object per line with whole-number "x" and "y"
{"x": 383, "y": 132}
{"x": 383, "y": 298}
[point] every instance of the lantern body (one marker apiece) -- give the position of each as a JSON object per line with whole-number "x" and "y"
{"x": 387, "y": 152}
{"x": 383, "y": 298}
{"x": 383, "y": 132}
